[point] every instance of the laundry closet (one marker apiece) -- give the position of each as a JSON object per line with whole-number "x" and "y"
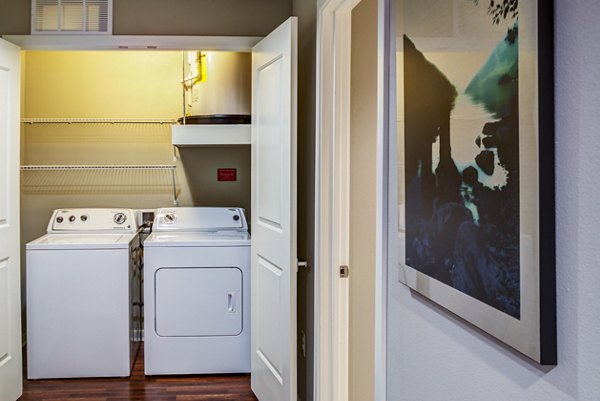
{"x": 100, "y": 130}
{"x": 107, "y": 129}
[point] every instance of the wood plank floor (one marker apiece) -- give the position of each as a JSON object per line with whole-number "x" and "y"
{"x": 139, "y": 387}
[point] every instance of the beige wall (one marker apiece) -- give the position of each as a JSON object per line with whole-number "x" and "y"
{"x": 199, "y": 17}
{"x": 114, "y": 85}
{"x": 15, "y": 17}
{"x": 362, "y": 200}
{"x": 172, "y": 17}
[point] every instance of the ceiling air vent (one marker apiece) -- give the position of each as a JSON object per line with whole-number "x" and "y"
{"x": 71, "y": 17}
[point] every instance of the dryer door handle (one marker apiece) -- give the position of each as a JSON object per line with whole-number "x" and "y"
{"x": 231, "y": 301}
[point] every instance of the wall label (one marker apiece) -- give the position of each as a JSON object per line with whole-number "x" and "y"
{"x": 227, "y": 174}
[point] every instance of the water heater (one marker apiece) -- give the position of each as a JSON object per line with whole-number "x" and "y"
{"x": 217, "y": 86}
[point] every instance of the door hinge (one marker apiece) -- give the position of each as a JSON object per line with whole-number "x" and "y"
{"x": 301, "y": 263}
{"x": 344, "y": 271}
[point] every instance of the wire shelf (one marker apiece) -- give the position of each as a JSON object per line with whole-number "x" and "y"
{"x": 71, "y": 167}
{"x": 99, "y": 179}
{"x": 98, "y": 121}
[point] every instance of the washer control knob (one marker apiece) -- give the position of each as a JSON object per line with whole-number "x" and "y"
{"x": 59, "y": 219}
{"x": 72, "y": 218}
{"x": 236, "y": 217}
{"x": 84, "y": 217}
{"x": 170, "y": 218}
{"x": 120, "y": 218}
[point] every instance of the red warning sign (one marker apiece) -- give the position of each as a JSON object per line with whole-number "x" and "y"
{"x": 227, "y": 174}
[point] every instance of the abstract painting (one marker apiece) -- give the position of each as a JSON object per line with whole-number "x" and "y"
{"x": 474, "y": 188}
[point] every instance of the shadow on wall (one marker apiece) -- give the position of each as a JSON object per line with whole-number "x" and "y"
{"x": 200, "y": 165}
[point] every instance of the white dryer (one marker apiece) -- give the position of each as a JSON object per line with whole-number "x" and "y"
{"x": 197, "y": 292}
{"x": 83, "y": 284}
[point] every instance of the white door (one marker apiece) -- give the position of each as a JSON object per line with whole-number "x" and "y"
{"x": 274, "y": 263}
{"x": 10, "y": 293}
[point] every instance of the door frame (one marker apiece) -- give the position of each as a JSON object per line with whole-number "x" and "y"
{"x": 332, "y": 209}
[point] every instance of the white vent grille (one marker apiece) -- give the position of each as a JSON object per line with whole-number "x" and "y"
{"x": 71, "y": 17}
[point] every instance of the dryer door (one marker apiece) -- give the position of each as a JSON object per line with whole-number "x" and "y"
{"x": 198, "y": 302}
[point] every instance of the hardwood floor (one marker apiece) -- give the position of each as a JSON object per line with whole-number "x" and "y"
{"x": 139, "y": 387}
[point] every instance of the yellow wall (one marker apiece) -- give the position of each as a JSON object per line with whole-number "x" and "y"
{"x": 114, "y": 85}
{"x": 363, "y": 138}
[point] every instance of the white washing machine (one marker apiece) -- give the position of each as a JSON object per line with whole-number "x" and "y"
{"x": 197, "y": 292}
{"x": 83, "y": 284}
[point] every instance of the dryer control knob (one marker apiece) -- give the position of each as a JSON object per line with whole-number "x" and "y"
{"x": 120, "y": 218}
{"x": 59, "y": 219}
{"x": 72, "y": 218}
{"x": 236, "y": 217}
{"x": 170, "y": 217}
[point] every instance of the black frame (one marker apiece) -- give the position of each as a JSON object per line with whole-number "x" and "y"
{"x": 547, "y": 207}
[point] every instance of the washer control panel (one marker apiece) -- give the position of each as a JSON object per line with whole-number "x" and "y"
{"x": 97, "y": 220}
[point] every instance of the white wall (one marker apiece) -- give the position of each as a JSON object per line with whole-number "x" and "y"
{"x": 434, "y": 356}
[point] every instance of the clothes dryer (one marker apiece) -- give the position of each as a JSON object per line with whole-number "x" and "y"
{"x": 197, "y": 292}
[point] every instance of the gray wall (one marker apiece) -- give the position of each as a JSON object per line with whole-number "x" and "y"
{"x": 306, "y": 10}
{"x": 171, "y": 17}
{"x": 434, "y": 356}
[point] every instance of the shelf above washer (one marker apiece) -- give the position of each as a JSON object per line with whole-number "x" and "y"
{"x": 211, "y": 135}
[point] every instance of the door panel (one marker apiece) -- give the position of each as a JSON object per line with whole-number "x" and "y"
{"x": 268, "y": 342}
{"x": 4, "y": 311}
{"x": 274, "y": 197}
{"x": 10, "y": 293}
{"x": 270, "y": 143}
{"x": 212, "y": 294}
{"x": 4, "y": 111}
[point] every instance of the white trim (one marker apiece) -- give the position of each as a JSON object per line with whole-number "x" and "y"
{"x": 384, "y": 80}
{"x": 332, "y": 194}
{"x": 132, "y": 42}
{"x": 211, "y": 135}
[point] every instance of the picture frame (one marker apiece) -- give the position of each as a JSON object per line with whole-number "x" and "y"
{"x": 475, "y": 164}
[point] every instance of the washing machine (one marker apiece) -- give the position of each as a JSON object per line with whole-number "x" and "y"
{"x": 197, "y": 292}
{"x": 83, "y": 284}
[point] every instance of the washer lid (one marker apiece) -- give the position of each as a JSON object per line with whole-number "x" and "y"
{"x": 162, "y": 239}
{"x": 81, "y": 241}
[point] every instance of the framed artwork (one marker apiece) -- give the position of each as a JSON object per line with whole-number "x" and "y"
{"x": 475, "y": 126}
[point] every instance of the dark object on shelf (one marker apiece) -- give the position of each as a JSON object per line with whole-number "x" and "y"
{"x": 217, "y": 119}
